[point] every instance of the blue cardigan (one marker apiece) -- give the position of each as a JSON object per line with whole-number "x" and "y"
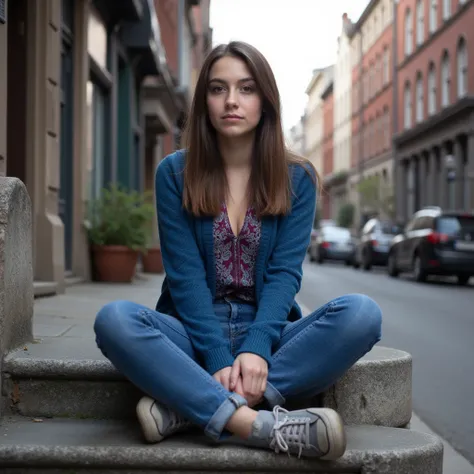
{"x": 188, "y": 291}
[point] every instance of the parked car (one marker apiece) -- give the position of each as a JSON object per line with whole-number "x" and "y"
{"x": 435, "y": 242}
{"x": 374, "y": 243}
{"x": 315, "y": 232}
{"x": 332, "y": 243}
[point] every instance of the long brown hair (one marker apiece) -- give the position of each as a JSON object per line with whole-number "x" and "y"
{"x": 205, "y": 183}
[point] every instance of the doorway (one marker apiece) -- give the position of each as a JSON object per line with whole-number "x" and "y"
{"x": 66, "y": 139}
{"x": 17, "y": 89}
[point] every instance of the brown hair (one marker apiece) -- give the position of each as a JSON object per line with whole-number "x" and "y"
{"x": 205, "y": 184}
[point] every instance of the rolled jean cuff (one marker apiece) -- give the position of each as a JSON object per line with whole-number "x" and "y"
{"x": 273, "y": 396}
{"x": 217, "y": 423}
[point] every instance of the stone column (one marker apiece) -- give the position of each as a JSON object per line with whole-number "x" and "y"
{"x": 469, "y": 174}
{"x": 80, "y": 245}
{"x": 400, "y": 189}
{"x": 431, "y": 178}
{"x": 3, "y": 96}
{"x": 443, "y": 178}
{"x": 43, "y": 121}
{"x": 422, "y": 180}
{"x": 459, "y": 180}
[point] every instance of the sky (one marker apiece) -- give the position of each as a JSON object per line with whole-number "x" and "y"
{"x": 295, "y": 36}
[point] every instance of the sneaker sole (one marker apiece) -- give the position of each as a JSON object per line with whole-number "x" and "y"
{"x": 147, "y": 421}
{"x": 336, "y": 432}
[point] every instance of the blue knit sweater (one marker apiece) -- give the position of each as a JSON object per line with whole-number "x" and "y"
{"x": 188, "y": 255}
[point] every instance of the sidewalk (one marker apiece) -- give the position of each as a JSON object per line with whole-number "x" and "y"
{"x": 70, "y": 317}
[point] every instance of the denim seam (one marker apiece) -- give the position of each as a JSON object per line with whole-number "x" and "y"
{"x": 296, "y": 338}
{"x": 163, "y": 321}
{"x": 191, "y": 363}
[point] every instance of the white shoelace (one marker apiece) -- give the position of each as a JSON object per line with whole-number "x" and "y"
{"x": 289, "y": 431}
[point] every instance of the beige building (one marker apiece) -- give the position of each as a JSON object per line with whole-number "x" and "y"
{"x": 296, "y": 137}
{"x": 313, "y": 126}
{"x": 78, "y": 111}
{"x": 342, "y": 116}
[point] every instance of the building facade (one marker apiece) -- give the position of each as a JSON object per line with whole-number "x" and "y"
{"x": 327, "y": 208}
{"x": 372, "y": 99}
{"x": 296, "y": 139}
{"x": 314, "y": 116}
{"x": 75, "y": 115}
{"x": 342, "y": 115}
{"x": 434, "y": 146}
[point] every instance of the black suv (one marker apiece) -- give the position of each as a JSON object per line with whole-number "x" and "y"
{"x": 435, "y": 242}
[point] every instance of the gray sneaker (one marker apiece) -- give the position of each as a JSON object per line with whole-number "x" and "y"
{"x": 313, "y": 432}
{"x": 158, "y": 421}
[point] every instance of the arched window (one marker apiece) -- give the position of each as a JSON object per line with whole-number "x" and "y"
{"x": 407, "y": 104}
{"x": 433, "y": 15}
{"x": 419, "y": 97}
{"x": 445, "y": 80}
{"x": 446, "y": 9}
{"x": 420, "y": 22}
{"x": 408, "y": 32}
{"x": 462, "y": 68}
{"x": 432, "y": 89}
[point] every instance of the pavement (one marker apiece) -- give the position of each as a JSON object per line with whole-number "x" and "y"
{"x": 436, "y": 343}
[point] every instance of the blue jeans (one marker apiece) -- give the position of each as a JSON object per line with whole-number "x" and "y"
{"x": 154, "y": 352}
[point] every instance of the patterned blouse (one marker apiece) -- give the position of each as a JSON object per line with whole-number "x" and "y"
{"x": 235, "y": 256}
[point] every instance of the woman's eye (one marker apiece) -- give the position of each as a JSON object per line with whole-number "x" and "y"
{"x": 247, "y": 89}
{"x": 217, "y": 89}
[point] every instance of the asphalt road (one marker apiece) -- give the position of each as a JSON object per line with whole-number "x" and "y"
{"x": 434, "y": 322}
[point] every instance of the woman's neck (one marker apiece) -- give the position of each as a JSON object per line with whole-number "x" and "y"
{"x": 236, "y": 152}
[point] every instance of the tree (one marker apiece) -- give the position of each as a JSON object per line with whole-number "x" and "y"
{"x": 376, "y": 196}
{"x": 345, "y": 216}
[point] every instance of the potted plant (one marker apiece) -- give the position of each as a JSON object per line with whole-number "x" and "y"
{"x": 152, "y": 259}
{"x": 118, "y": 231}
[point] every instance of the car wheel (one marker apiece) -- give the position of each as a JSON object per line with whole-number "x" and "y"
{"x": 392, "y": 265}
{"x": 463, "y": 280}
{"x": 366, "y": 263}
{"x": 418, "y": 272}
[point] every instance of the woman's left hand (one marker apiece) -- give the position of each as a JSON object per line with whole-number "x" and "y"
{"x": 254, "y": 372}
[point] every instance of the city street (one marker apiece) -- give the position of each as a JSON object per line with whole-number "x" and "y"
{"x": 434, "y": 322}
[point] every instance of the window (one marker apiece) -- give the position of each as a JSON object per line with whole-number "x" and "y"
{"x": 433, "y": 15}
{"x": 432, "y": 90}
{"x": 407, "y": 105}
{"x": 408, "y": 33}
{"x": 462, "y": 68}
{"x": 97, "y": 39}
{"x": 386, "y": 65}
{"x": 446, "y": 9}
{"x": 420, "y": 22}
{"x": 419, "y": 98}
{"x": 445, "y": 80}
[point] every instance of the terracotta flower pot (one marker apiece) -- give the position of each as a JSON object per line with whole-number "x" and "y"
{"x": 153, "y": 261}
{"x": 114, "y": 263}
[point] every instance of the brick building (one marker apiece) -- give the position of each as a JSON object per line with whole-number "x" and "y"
{"x": 372, "y": 99}
{"x": 435, "y": 144}
{"x": 328, "y": 148}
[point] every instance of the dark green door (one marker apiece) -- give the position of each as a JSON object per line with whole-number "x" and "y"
{"x": 66, "y": 173}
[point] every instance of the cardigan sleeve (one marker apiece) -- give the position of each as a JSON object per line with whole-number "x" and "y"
{"x": 186, "y": 273}
{"x": 284, "y": 271}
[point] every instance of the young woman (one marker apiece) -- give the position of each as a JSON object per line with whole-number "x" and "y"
{"x": 235, "y": 211}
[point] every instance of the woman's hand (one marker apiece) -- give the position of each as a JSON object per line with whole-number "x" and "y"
{"x": 223, "y": 377}
{"x": 253, "y": 370}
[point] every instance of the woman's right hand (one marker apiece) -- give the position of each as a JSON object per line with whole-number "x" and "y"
{"x": 223, "y": 377}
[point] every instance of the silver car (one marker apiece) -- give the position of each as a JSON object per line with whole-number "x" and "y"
{"x": 332, "y": 243}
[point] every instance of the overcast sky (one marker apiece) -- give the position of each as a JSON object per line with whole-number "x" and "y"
{"x": 296, "y": 36}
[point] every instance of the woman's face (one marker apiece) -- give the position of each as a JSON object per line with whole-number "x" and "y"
{"x": 233, "y": 100}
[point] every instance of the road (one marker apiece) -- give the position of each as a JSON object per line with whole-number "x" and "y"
{"x": 432, "y": 321}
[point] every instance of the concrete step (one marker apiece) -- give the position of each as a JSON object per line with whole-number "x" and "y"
{"x": 69, "y": 377}
{"x": 113, "y": 446}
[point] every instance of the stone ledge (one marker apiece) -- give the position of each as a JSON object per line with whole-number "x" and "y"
{"x": 109, "y": 445}
{"x": 16, "y": 266}
{"x": 377, "y": 390}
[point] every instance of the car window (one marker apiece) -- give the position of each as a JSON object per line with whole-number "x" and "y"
{"x": 389, "y": 228}
{"x": 452, "y": 225}
{"x": 336, "y": 233}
